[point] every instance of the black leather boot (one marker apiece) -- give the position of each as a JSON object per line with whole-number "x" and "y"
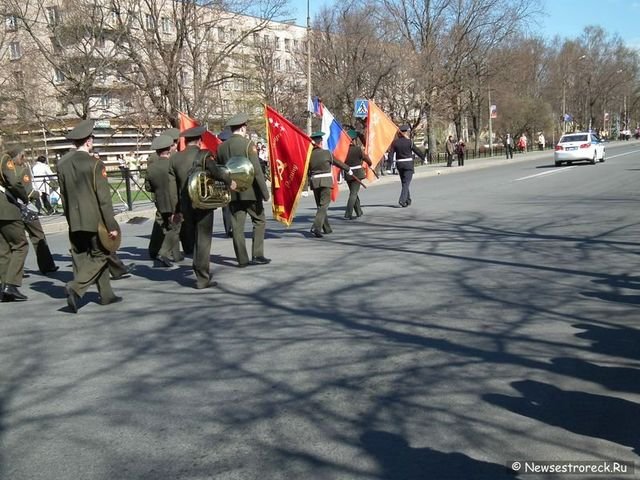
{"x": 11, "y": 293}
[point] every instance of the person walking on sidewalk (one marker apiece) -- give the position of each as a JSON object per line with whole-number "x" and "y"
{"x": 508, "y": 146}
{"x": 402, "y": 150}
{"x": 450, "y": 150}
{"x": 460, "y": 152}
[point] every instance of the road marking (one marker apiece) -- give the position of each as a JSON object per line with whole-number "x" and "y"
{"x": 622, "y": 154}
{"x": 548, "y": 172}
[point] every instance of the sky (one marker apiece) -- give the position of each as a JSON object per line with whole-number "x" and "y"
{"x": 566, "y": 18}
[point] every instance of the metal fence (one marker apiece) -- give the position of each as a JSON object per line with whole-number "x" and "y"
{"x": 127, "y": 188}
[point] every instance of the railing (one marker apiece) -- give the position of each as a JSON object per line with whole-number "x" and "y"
{"x": 127, "y": 187}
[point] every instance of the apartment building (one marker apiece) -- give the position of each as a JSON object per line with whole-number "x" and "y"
{"x": 133, "y": 65}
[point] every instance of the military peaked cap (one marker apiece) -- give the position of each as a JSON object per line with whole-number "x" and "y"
{"x": 81, "y": 131}
{"x": 16, "y": 150}
{"x": 193, "y": 132}
{"x": 352, "y": 133}
{"x": 161, "y": 142}
{"x": 225, "y": 134}
{"x": 405, "y": 128}
{"x": 237, "y": 120}
{"x": 174, "y": 133}
{"x": 317, "y": 134}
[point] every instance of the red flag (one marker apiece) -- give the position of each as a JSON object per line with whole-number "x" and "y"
{"x": 289, "y": 152}
{"x": 186, "y": 122}
{"x": 380, "y": 133}
{"x": 208, "y": 140}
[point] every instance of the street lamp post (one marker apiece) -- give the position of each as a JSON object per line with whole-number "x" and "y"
{"x": 308, "y": 66}
{"x": 564, "y": 94}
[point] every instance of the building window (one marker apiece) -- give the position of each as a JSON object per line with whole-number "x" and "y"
{"x": 238, "y": 84}
{"x": 265, "y": 40}
{"x": 295, "y": 45}
{"x": 183, "y": 78}
{"x": 11, "y": 23}
{"x": 232, "y": 34}
{"x": 166, "y": 25}
{"x": 58, "y": 76}
{"x": 15, "y": 52}
{"x": 276, "y": 42}
{"x": 18, "y": 78}
{"x": 221, "y": 35}
{"x": 256, "y": 39}
{"x": 56, "y": 48}
{"x": 149, "y": 22}
{"x": 227, "y": 85}
{"x": 287, "y": 65}
{"x": 276, "y": 64}
{"x": 105, "y": 101}
{"x": 53, "y": 16}
{"x": 287, "y": 44}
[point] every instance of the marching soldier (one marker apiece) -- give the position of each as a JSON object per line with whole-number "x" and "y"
{"x": 355, "y": 157}
{"x": 165, "y": 195}
{"x": 157, "y": 235}
{"x": 34, "y": 229}
{"x": 227, "y": 219}
{"x": 321, "y": 181}
{"x": 199, "y": 221}
{"x": 87, "y": 203}
{"x": 402, "y": 150}
{"x": 247, "y": 202}
{"x": 13, "y": 241}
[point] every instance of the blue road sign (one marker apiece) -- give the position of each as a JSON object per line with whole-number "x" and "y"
{"x": 361, "y": 108}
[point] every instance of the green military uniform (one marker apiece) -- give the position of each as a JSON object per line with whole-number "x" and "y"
{"x": 321, "y": 181}
{"x": 157, "y": 234}
{"x": 34, "y": 229}
{"x": 196, "y": 220}
{"x": 249, "y": 201}
{"x": 86, "y": 198}
{"x": 355, "y": 157}
{"x": 13, "y": 241}
{"x": 166, "y": 199}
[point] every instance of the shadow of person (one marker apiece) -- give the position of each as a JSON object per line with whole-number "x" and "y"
{"x": 399, "y": 461}
{"x": 617, "y": 342}
{"x": 622, "y": 379}
{"x": 598, "y": 416}
{"x": 613, "y": 297}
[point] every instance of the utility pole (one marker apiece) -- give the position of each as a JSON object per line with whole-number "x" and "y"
{"x": 308, "y": 66}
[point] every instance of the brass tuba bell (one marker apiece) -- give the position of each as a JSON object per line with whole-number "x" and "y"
{"x": 207, "y": 193}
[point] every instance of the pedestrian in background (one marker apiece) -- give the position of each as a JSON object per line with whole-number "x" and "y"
{"x": 42, "y": 177}
{"x": 460, "y": 153}
{"x": 449, "y": 149}
{"x": 508, "y": 146}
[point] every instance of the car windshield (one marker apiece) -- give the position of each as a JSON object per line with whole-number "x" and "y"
{"x": 573, "y": 138}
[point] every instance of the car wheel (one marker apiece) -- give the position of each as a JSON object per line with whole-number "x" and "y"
{"x": 558, "y": 163}
{"x": 602, "y": 158}
{"x": 595, "y": 157}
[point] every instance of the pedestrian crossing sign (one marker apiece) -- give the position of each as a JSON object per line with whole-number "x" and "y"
{"x": 361, "y": 108}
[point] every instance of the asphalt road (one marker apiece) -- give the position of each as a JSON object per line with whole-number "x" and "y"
{"x": 496, "y": 319}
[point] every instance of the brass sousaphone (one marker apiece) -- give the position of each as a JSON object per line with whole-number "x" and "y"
{"x": 207, "y": 193}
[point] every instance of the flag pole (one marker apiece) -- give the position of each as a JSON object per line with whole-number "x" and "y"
{"x": 308, "y": 66}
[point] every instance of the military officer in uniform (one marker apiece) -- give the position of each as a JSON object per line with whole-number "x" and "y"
{"x": 13, "y": 241}
{"x": 247, "y": 202}
{"x": 355, "y": 157}
{"x": 87, "y": 203}
{"x": 321, "y": 181}
{"x": 402, "y": 149}
{"x": 199, "y": 221}
{"x": 165, "y": 196}
{"x": 34, "y": 229}
{"x": 227, "y": 219}
{"x": 157, "y": 233}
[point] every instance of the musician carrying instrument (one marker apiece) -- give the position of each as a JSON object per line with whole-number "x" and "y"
{"x": 207, "y": 193}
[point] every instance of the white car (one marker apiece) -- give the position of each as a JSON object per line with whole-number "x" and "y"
{"x": 581, "y": 146}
